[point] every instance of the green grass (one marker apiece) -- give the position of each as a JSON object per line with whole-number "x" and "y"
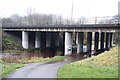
{"x": 104, "y": 65}
{"x": 6, "y": 68}
{"x": 32, "y": 59}
{"x": 36, "y": 59}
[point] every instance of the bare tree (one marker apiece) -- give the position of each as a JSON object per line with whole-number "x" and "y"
{"x": 16, "y": 20}
{"x": 110, "y": 20}
{"x": 82, "y": 20}
{"x": 30, "y": 12}
{"x": 6, "y": 22}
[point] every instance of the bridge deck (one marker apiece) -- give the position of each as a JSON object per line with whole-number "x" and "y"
{"x": 69, "y": 28}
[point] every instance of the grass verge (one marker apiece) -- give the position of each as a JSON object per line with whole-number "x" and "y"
{"x": 104, "y": 65}
{"x": 6, "y": 68}
{"x": 37, "y": 59}
{"x": 32, "y": 59}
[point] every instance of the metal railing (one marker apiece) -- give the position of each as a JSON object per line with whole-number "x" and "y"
{"x": 78, "y": 21}
{"x": 99, "y": 20}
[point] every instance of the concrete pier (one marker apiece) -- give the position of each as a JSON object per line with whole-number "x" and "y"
{"x": 48, "y": 39}
{"x": 80, "y": 42}
{"x": 68, "y": 43}
{"x": 89, "y": 41}
{"x": 37, "y": 39}
{"x": 53, "y": 39}
{"x": 25, "y": 40}
{"x": 43, "y": 39}
{"x": 57, "y": 42}
{"x": 96, "y": 41}
{"x": 107, "y": 41}
{"x": 76, "y": 38}
{"x": 102, "y": 38}
{"x": 111, "y": 39}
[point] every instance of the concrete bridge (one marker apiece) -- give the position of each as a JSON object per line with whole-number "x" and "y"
{"x": 50, "y": 36}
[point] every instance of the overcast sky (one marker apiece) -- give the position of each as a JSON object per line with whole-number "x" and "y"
{"x": 87, "y": 8}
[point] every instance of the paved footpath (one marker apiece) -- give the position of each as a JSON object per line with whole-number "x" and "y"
{"x": 41, "y": 69}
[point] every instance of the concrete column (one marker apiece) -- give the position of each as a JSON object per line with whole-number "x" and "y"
{"x": 37, "y": 39}
{"x": 57, "y": 39}
{"x": 25, "y": 39}
{"x": 61, "y": 39}
{"x": 102, "y": 37}
{"x": 48, "y": 39}
{"x": 107, "y": 41}
{"x": 111, "y": 39}
{"x": 53, "y": 39}
{"x": 89, "y": 41}
{"x": 80, "y": 43}
{"x": 76, "y": 40}
{"x": 43, "y": 39}
{"x": 96, "y": 41}
{"x": 68, "y": 43}
{"x": 63, "y": 44}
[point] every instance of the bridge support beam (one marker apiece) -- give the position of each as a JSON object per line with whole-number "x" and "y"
{"x": 80, "y": 42}
{"x": 37, "y": 39}
{"x": 48, "y": 39}
{"x": 25, "y": 40}
{"x": 89, "y": 41}
{"x": 111, "y": 39}
{"x": 102, "y": 38}
{"x": 68, "y": 43}
{"x": 107, "y": 41}
{"x": 96, "y": 43}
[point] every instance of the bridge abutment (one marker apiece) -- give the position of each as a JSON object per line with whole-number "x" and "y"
{"x": 25, "y": 41}
{"x": 68, "y": 43}
{"x": 80, "y": 42}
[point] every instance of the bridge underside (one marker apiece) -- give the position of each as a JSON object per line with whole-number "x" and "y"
{"x": 49, "y": 36}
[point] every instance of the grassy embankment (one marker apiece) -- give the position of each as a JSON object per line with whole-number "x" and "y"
{"x": 104, "y": 65}
{"x": 6, "y": 68}
{"x": 9, "y": 44}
